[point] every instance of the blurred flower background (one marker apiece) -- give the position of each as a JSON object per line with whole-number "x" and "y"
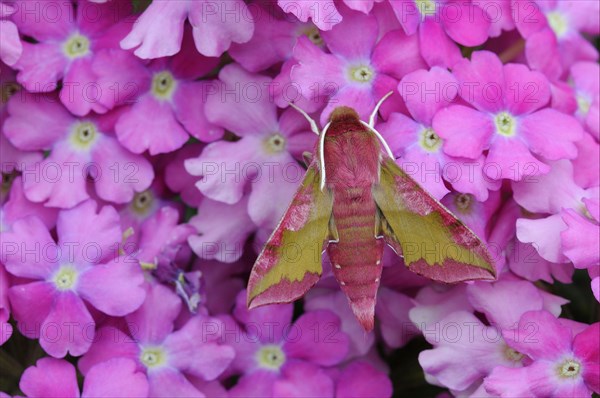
{"x": 148, "y": 150}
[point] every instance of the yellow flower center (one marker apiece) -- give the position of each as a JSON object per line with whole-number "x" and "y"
{"x": 77, "y": 46}
{"x": 163, "y": 85}
{"x": 558, "y": 23}
{"x": 512, "y": 355}
{"x": 505, "y": 124}
{"x": 84, "y": 135}
{"x": 275, "y": 143}
{"x": 270, "y": 357}
{"x": 429, "y": 140}
{"x": 7, "y": 180}
{"x": 426, "y": 7}
{"x": 142, "y": 202}
{"x": 8, "y": 90}
{"x": 153, "y": 357}
{"x": 361, "y": 74}
{"x": 569, "y": 368}
{"x": 583, "y": 105}
{"x": 314, "y": 35}
{"x": 65, "y": 278}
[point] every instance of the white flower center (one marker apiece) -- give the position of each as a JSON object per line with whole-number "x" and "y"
{"x": 270, "y": 357}
{"x": 77, "y": 46}
{"x": 429, "y": 140}
{"x": 361, "y": 74}
{"x": 84, "y": 135}
{"x": 153, "y": 357}
{"x": 426, "y": 7}
{"x": 505, "y": 124}
{"x": 65, "y": 278}
{"x": 163, "y": 85}
{"x": 558, "y": 23}
{"x": 569, "y": 368}
{"x": 275, "y": 143}
{"x": 583, "y": 104}
{"x": 463, "y": 202}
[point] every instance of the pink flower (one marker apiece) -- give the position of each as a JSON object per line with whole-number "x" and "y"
{"x": 169, "y": 358}
{"x": 553, "y": 32}
{"x": 508, "y": 118}
{"x": 476, "y": 215}
{"x": 362, "y": 380}
{"x": 561, "y": 366}
{"x": 415, "y": 141}
{"x": 571, "y": 209}
{"x": 82, "y": 269}
{"x": 179, "y": 180}
{"x": 80, "y": 148}
{"x": 52, "y": 377}
{"x": 216, "y": 24}
{"x": 10, "y": 45}
{"x": 67, "y": 41}
{"x": 359, "y": 71}
{"x": 166, "y": 89}
{"x": 439, "y": 24}
{"x": 276, "y": 356}
{"x": 587, "y": 94}
{"x": 6, "y": 328}
{"x": 263, "y": 159}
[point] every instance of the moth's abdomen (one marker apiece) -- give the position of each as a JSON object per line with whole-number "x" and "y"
{"x": 356, "y": 257}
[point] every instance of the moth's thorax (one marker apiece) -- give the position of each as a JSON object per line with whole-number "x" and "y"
{"x": 351, "y": 157}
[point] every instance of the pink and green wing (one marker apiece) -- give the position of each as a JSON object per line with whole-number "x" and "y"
{"x": 433, "y": 242}
{"x": 290, "y": 263}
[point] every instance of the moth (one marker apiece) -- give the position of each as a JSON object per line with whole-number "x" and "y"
{"x": 354, "y": 200}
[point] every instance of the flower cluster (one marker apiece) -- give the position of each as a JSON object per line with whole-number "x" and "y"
{"x": 148, "y": 150}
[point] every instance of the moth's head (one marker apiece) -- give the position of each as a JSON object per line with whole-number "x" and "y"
{"x": 343, "y": 114}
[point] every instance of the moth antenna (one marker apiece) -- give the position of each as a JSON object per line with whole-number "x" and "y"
{"x": 313, "y": 124}
{"x": 374, "y": 114}
{"x": 385, "y": 144}
{"x": 322, "y": 154}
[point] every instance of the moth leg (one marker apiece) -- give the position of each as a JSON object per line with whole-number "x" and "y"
{"x": 374, "y": 114}
{"x": 313, "y": 124}
{"x": 383, "y": 228}
{"x": 334, "y": 236}
{"x": 308, "y": 157}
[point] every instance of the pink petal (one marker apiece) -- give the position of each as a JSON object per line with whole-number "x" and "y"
{"x": 465, "y": 22}
{"x": 386, "y": 59}
{"x": 407, "y": 12}
{"x": 362, "y": 380}
{"x": 168, "y": 382}
{"x": 326, "y": 347}
{"x": 69, "y": 327}
{"x": 79, "y": 94}
{"x": 221, "y": 238}
{"x": 188, "y": 105}
{"x": 527, "y": 91}
{"x": 25, "y": 132}
{"x": 392, "y": 311}
{"x": 153, "y": 321}
{"x": 200, "y": 358}
{"x": 159, "y": 134}
{"x": 50, "y": 378}
{"x": 11, "y": 47}
{"x": 41, "y": 66}
{"x": 48, "y": 20}
{"x": 581, "y": 240}
{"x": 116, "y": 377}
{"x": 425, "y": 168}
{"x": 540, "y": 335}
{"x": 426, "y": 92}
{"x": 255, "y": 114}
{"x": 270, "y": 323}
{"x": 551, "y": 134}
{"x": 436, "y": 47}
{"x": 546, "y": 58}
{"x": 343, "y": 40}
{"x": 511, "y": 159}
{"x": 214, "y": 31}
{"x": 482, "y": 81}
{"x": 93, "y": 232}
{"x": 158, "y": 31}
{"x": 544, "y": 233}
{"x": 28, "y": 250}
{"x": 30, "y": 305}
{"x": 114, "y": 288}
{"x": 585, "y": 347}
{"x": 254, "y": 385}
{"x": 109, "y": 343}
{"x": 179, "y": 180}
{"x": 292, "y": 382}
{"x": 324, "y": 13}
{"x": 18, "y": 206}
{"x": 466, "y": 131}
{"x": 124, "y": 173}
